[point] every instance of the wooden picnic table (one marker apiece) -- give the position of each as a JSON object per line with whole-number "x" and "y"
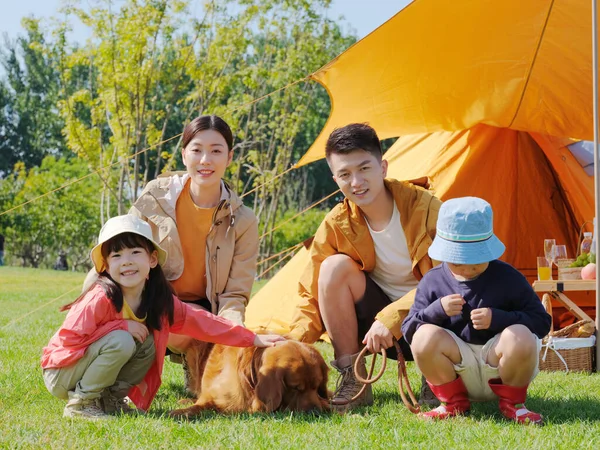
{"x": 557, "y": 288}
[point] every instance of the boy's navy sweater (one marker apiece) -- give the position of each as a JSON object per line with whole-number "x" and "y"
{"x": 501, "y": 287}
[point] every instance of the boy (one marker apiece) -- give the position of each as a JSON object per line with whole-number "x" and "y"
{"x": 475, "y": 323}
{"x": 369, "y": 251}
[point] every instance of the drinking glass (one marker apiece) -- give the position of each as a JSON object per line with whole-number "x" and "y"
{"x": 559, "y": 253}
{"x": 548, "y": 245}
{"x": 544, "y": 268}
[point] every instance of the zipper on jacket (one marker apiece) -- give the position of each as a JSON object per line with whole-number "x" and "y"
{"x": 216, "y": 258}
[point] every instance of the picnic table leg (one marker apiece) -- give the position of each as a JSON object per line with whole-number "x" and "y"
{"x": 547, "y": 303}
{"x": 571, "y": 306}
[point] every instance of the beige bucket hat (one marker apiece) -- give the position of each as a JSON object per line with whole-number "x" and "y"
{"x": 126, "y": 223}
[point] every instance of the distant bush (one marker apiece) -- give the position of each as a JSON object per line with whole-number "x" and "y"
{"x": 297, "y": 230}
{"x": 66, "y": 221}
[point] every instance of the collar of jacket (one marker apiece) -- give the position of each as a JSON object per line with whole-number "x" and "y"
{"x": 168, "y": 188}
{"x": 413, "y": 205}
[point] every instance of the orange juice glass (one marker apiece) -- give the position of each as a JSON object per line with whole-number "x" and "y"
{"x": 543, "y": 269}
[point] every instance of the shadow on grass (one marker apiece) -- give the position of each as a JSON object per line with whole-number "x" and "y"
{"x": 177, "y": 390}
{"x": 300, "y": 417}
{"x": 568, "y": 410}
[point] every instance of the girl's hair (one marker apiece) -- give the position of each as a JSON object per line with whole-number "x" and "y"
{"x": 157, "y": 296}
{"x": 211, "y": 122}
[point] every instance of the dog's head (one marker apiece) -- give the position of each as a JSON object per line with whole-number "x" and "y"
{"x": 291, "y": 376}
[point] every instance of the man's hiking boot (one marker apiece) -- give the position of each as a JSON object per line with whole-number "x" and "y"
{"x": 348, "y": 386}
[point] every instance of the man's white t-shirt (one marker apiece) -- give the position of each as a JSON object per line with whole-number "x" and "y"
{"x": 393, "y": 266}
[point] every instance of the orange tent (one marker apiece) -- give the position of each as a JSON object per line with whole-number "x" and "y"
{"x": 477, "y": 90}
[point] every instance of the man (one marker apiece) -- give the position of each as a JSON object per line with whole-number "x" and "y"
{"x": 368, "y": 252}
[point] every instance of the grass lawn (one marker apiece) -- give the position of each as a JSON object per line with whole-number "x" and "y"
{"x": 31, "y": 418}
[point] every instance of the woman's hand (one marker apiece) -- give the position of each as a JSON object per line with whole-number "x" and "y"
{"x": 267, "y": 340}
{"x": 137, "y": 330}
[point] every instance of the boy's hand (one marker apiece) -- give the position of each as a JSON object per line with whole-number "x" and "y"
{"x": 452, "y": 304}
{"x": 267, "y": 340}
{"x": 379, "y": 336}
{"x": 137, "y": 330}
{"x": 481, "y": 318}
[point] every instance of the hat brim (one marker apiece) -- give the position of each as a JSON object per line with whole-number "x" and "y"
{"x": 466, "y": 252}
{"x": 98, "y": 260}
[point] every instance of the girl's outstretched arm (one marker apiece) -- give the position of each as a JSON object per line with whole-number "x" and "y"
{"x": 207, "y": 327}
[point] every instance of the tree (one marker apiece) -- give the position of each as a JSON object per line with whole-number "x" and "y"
{"x": 30, "y": 123}
{"x": 64, "y": 221}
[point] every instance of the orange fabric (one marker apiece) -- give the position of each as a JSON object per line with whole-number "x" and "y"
{"x": 193, "y": 225}
{"x": 450, "y": 65}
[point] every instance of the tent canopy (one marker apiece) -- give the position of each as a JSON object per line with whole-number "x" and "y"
{"x": 450, "y": 65}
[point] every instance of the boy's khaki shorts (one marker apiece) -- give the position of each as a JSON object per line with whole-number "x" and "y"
{"x": 476, "y": 372}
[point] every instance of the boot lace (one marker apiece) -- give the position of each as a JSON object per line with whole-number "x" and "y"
{"x": 346, "y": 386}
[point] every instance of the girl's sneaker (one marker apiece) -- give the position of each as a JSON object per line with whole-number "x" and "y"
{"x": 117, "y": 405}
{"x": 85, "y": 408}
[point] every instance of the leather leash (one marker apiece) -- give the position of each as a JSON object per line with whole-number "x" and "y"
{"x": 412, "y": 404}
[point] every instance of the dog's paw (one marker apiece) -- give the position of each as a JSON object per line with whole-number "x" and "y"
{"x": 185, "y": 413}
{"x": 179, "y": 414}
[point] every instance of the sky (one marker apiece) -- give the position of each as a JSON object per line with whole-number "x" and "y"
{"x": 362, "y": 15}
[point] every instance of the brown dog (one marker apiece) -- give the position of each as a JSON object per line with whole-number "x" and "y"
{"x": 291, "y": 376}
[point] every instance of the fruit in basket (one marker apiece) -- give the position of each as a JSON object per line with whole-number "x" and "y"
{"x": 582, "y": 260}
{"x": 589, "y": 272}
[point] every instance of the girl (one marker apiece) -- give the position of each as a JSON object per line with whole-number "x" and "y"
{"x": 113, "y": 340}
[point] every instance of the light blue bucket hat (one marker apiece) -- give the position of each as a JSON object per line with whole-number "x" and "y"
{"x": 465, "y": 233}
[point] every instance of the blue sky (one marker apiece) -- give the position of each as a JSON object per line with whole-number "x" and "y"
{"x": 362, "y": 15}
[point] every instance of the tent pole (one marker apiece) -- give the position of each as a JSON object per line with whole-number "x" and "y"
{"x": 596, "y": 161}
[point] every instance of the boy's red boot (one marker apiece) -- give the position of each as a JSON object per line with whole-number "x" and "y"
{"x": 512, "y": 403}
{"x": 454, "y": 399}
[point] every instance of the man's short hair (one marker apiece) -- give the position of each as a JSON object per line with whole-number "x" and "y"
{"x": 356, "y": 136}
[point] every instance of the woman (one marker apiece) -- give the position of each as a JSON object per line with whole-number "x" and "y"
{"x": 211, "y": 238}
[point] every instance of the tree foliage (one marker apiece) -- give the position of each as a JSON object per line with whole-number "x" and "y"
{"x": 30, "y": 126}
{"x": 65, "y": 221}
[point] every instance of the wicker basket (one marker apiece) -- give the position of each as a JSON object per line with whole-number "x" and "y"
{"x": 567, "y": 354}
{"x": 569, "y": 273}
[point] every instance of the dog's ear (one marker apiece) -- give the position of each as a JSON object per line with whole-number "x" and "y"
{"x": 269, "y": 389}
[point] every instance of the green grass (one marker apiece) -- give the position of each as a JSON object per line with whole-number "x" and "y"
{"x": 31, "y": 418}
